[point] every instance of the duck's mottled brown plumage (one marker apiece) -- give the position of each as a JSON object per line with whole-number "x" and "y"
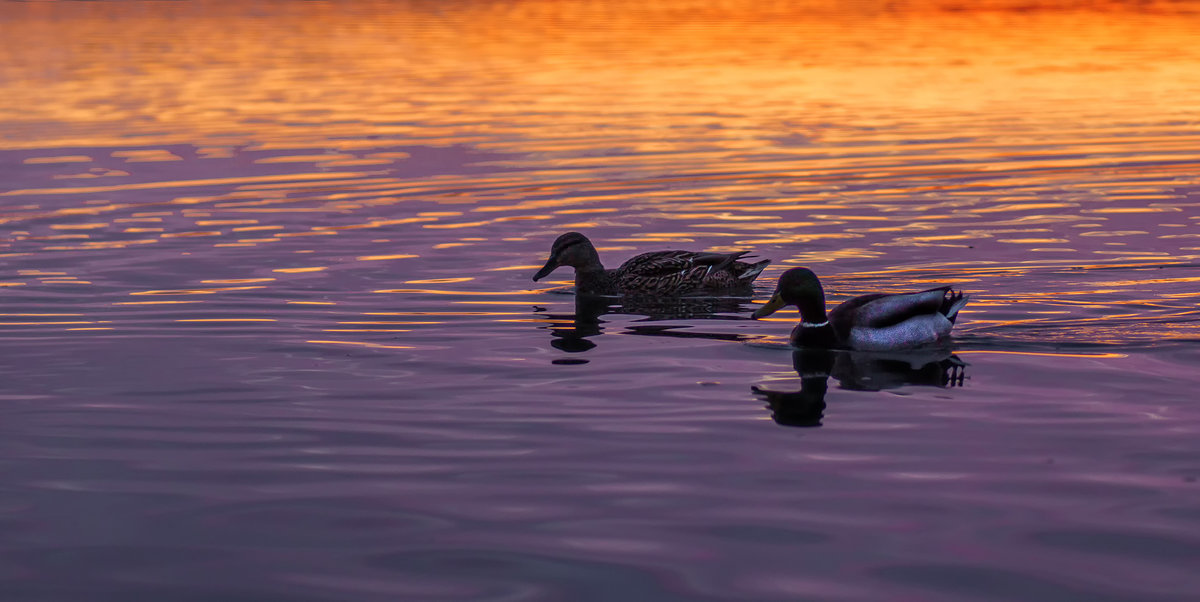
{"x": 658, "y": 273}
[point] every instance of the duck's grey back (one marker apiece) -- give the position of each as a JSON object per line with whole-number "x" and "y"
{"x": 913, "y": 332}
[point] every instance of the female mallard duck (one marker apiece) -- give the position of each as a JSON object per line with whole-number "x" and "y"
{"x": 869, "y": 322}
{"x": 655, "y": 273}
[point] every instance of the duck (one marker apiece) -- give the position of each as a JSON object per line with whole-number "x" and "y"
{"x": 658, "y": 273}
{"x": 874, "y": 322}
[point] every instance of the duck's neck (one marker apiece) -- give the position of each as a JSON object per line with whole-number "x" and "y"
{"x": 590, "y": 275}
{"x": 814, "y": 336}
{"x": 590, "y": 281}
{"x": 814, "y": 329}
{"x": 812, "y": 312}
{"x": 589, "y": 259}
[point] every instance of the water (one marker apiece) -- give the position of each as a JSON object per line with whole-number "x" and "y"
{"x": 270, "y": 333}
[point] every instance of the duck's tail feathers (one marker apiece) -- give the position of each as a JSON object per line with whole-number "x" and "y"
{"x": 754, "y": 270}
{"x": 728, "y": 260}
{"x": 717, "y": 261}
{"x": 953, "y": 301}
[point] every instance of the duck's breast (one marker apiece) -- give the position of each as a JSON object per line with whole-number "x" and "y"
{"x": 913, "y": 332}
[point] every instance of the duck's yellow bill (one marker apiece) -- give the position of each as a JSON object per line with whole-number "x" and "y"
{"x": 775, "y": 304}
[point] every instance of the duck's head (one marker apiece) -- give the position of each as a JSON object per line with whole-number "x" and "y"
{"x": 799, "y": 287}
{"x": 572, "y": 249}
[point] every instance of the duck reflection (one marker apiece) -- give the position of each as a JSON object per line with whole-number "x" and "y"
{"x": 571, "y": 332}
{"x": 805, "y": 407}
{"x": 857, "y": 371}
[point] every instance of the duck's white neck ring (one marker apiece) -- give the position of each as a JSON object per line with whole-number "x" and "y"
{"x": 812, "y": 325}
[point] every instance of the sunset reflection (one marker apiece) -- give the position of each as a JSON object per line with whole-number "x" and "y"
{"x": 886, "y": 144}
{"x": 270, "y": 330}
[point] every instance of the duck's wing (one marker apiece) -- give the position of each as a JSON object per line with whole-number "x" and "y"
{"x": 657, "y": 264}
{"x": 718, "y": 261}
{"x": 685, "y": 271}
{"x": 662, "y": 263}
{"x": 658, "y": 272}
{"x": 880, "y": 310}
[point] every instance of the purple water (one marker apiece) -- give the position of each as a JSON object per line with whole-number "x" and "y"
{"x": 269, "y": 331}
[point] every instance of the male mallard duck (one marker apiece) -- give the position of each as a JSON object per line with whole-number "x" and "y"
{"x": 654, "y": 273}
{"x": 869, "y": 322}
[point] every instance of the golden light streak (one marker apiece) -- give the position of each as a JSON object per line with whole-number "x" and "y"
{"x": 226, "y": 320}
{"x": 191, "y": 234}
{"x": 227, "y": 222}
{"x": 163, "y": 302}
{"x": 525, "y": 303}
{"x": 179, "y": 184}
{"x": 62, "y": 159}
{"x": 440, "y": 313}
{"x": 384, "y": 257}
{"x": 46, "y": 323}
{"x": 365, "y": 330}
{"x": 78, "y": 226}
{"x": 426, "y": 291}
{"x": 256, "y": 228}
{"x": 299, "y": 234}
{"x": 439, "y": 280}
{"x": 146, "y": 156}
{"x": 196, "y": 291}
{"x": 237, "y": 281}
{"x": 42, "y": 315}
{"x": 1101, "y": 355}
{"x": 360, "y": 343}
{"x": 367, "y": 323}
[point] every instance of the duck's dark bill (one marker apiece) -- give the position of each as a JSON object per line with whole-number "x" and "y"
{"x": 772, "y": 306}
{"x": 546, "y": 269}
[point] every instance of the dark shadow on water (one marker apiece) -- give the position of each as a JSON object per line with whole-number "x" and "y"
{"x": 572, "y": 333}
{"x": 857, "y": 371}
{"x": 805, "y": 407}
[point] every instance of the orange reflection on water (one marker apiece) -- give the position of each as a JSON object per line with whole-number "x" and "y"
{"x": 196, "y": 291}
{"x": 385, "y": 257}
{"x": 439, "y": 313}
{"x": 174, "y": 184}
{"x": 49, "y": 323}
{"x": 818, "y": 132}
{"x": 1101, "y": 355}
{"x": 666, "y": 57}
{"x": 365, "y": 330}
{"x": 226, "y": 320}
{"x": 439, "y": 280}
{"x": 427, "y": 291}
{"x": 163, "y": 302}
{"x": 360, "y": 344}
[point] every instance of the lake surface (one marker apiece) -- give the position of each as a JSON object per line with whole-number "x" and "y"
{"x": 269, "y": 332}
